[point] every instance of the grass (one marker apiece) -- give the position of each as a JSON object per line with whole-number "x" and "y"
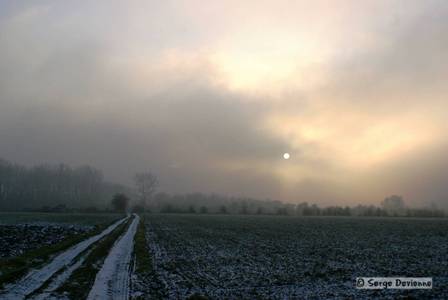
{"x": 81, "y": 280}
{"x": 141, "y": 251}
{"x": 12, "y": 269}
{"x": 144, "y": 270}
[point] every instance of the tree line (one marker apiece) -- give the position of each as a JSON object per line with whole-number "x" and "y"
{"x": 61, "y": 188}
{"x": 198, "y": 203}
{"x": 54, "y": 187}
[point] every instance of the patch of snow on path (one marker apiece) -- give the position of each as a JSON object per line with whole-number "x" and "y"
{"x": 34, "y": 279}
{"x": 58, "y": 281}
{"x": 112, "y": 281}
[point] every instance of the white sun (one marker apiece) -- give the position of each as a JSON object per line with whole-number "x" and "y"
{"x": 286, "y": 155}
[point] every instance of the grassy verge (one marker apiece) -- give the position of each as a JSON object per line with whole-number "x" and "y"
{"x": 143, "y": 263}
{"x": 14, "y": 268}
{"x": 82, "y": 279}
{"x": 148, "y": 284}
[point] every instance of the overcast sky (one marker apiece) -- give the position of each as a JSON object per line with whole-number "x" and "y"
{"x": 210, "y": 94}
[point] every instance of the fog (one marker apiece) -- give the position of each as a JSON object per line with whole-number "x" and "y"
{"x": 209, "y": 96}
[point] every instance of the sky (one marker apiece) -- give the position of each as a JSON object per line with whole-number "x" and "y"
{"x": 209, "y": 95}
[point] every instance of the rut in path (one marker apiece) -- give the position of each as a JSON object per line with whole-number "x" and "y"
{"x": 113, "y": 280}
{"x": 36, "y": 278}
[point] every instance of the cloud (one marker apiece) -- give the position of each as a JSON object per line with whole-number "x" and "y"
{"x": 212, "y": 98}
{"x": 77, "y": 102}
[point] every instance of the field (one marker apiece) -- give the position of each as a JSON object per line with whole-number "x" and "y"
{"x": 182, "y": 256}
{"x": 22, "y": 232}
{"x": 264, "y": 257}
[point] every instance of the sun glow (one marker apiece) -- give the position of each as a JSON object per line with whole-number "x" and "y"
{"x": 355, "y": 144}
{"x": 266, "y": 61}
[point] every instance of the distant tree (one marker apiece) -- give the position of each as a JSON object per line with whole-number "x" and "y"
{"x": 302, "y": 209}
{"x": 379, "y": 212}
{"x": 223, "y": 209}
{"x": 281, "y": 211}
{"x": 312, "y": 210}
{"x": 315, "y": 210}
{"x": 120, "y": 202}
{"x": 260, "y": 210}
{"x": 394, "y": 205}
{"x": 347, "y": 211}
{"x": 138, "y": 209}
{"x": 203, "y": 210}
{"x": 191, "y": 209}
{"x": 289, "y": 209}
{"x": 49, "y": 185}
{"x": 370, "y": 211}
{"x": 146, "y": 184}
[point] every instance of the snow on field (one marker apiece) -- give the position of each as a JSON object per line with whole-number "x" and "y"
{"x": 20, "y": 238}
{"x": 112, "y": 281}
{"x": 251, "y": 257}
{"x": 34, "y": 279}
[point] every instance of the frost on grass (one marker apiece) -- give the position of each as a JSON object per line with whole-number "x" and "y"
{"x": 249, "y": 257}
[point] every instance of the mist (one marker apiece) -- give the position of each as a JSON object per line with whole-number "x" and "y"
{"x": 209, "y": 96}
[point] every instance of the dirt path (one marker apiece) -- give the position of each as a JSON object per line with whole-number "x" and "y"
{"x": 112, "y": 281}
{"x": 36, "y": 278}
{"x": 46, "y": 294}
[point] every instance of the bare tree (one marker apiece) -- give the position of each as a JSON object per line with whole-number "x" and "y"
{"x": 146, "y": 184}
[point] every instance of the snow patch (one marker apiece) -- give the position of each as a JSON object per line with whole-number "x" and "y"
{"x": 34, "y": 279}
{"x": 113, "y": 280}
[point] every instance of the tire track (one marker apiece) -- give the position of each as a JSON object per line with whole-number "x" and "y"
{"x": 46, "y": 294}
{"x": 113, "y": 280}
{"x": 36, "y": 278}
